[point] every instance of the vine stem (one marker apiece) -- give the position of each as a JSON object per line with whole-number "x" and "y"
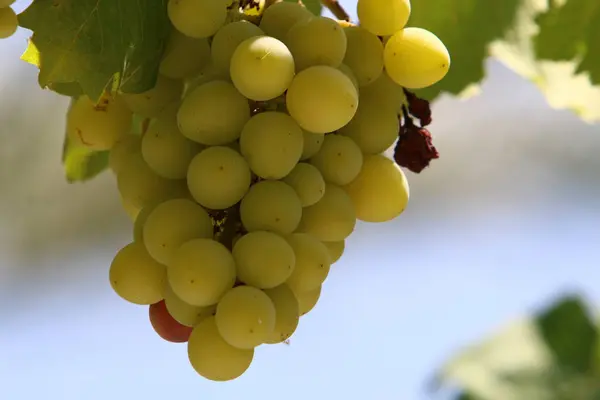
{"x": 336, "y": 9}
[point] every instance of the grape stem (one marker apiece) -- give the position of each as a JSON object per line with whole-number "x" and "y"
{"x": 230, "y": 226}
{"x": 336, "y": 9}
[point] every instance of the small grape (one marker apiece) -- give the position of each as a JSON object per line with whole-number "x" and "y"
{"x": 364, "y": 55}
{"x": 227, "y": 39}
{"x": 336, "y": 249}
{"x": 308, "y": 300}
{"x": 383, "y": 17}
{"x": 384, "y": 92}
{"x": 287, "y": 313}
{"x": 350, "y": 74}
{"x": 184, "y": 313}
{"x": 131, "y": 211}
{"x": 312, "y": 144}
{"x": 279, "y": 18}
{"x": 166, "y": 326}
{"x": 308, "y": 183}
{"x": 122, "y": 150}
{"x": 197, "y": 18}
{"x": 184, "y": 56}
{"x": 313, "y": 262}
{"x": 151, "y": 102}
{"x": 339, "y": 160}
{"x": 8, "y": 21}
{"x": 208, "y": 74}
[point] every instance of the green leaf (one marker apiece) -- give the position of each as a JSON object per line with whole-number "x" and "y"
{"x": 466, "y": 27}
{"x": 314, "y": 6}
{"x": 97, "y": 43}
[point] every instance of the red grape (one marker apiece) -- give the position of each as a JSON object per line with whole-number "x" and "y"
{"x": 165, "y": 325}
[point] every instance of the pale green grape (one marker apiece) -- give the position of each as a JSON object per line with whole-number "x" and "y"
{"x": 308, "y": 300}
{"x": 212, "y": 357}
{"x": 173, "y": 223}
{"x": 122, "y": 150}
{"x": 142, "y": 216}
{"x": 271, "y": 206}
{"x": 312, "y": 144}
{"x": 322, "y": 99}
{"x": 137, "y": 277}
{"x": 201, "y": 271}
{"x": 308, "y": 183}
{"x": 228, "y": 38}
{"x": 313, "y": 262}
{"x": 380, "y": 192}
{"x": 197, "y": 18}
{"x": 245, "y": 317}
{"x": 350, "y": 74}
{"x": 263, "y": 259}
{"x": 374, "y": 128}
{"x": 98, "y": 126}
{"x": 165, "y": 149}
{"x": 332, "y": 218}
{"x": 151, "y": 102}
{"x": 131, "y": 210}
{"x": 272, "y": 143}
{"x": 262, "y": 68}
{"x": 339, "y": 159}
{"x": 8, "y": 21}
{"x": 336, "y": 249}
{"x": 184, "y": 56}
{"x": 384, "y": 92}
{"x": 218, "y": 177}
{"x": 277, "y": 20}
{"x": 287, "y": 313}
{"x": 213, "y": 114}
{"x": 415, "y": 58}
{"x": 383, "y": 17}
{"x": 208, "y": 74}
{"x": 184, "y": 313}
{"x": 316, "y": 41}
{"x": 364, "y": 55}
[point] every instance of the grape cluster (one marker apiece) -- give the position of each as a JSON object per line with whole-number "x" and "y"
{"x": 264, "y": 147}
{"x": 8, "y": 19}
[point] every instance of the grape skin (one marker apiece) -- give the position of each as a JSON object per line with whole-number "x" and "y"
{"x": 184, "y": 56}
{"x": 339, "y": 159}
{"x": 208, "y": 74}
{"x": 364, "y": 55}
{"x": 308, "y": 183}
{"x": 8, "y": 21}
{"x": 227, "y": 39}
{"x": 122, "y": 150}
{"x": 308, "y": 300}
{"x": 336, "y": 249}
{"x": 313, "y": 262}
{"x": 166, "y": 326}
{"x": 350, "y": 74}
{"x": 151, "y": 102}
{"x": 197, "y": 18}
{"x": 184, "y": 313}
{"x": 384, "y": 92}
{"x": 383, "y": 17}
{"x": 312, "y": 144}
{"x": 287, "y": 313}
{"x": 279, "y": 18}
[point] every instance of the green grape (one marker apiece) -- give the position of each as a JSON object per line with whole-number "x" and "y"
{"x": 317, "y": 41}
{"x": 339, "y": 159}
{"x": 140, "y": 221}
{"x": 263, "y": 259}
{"x": 383, "y": 17}
{"x": 98, "y": 126}
{"x": 201, "y": 271}
{"x": 380, "y": 192}
{"x": 213, "y": 114}
{"x": 364, "y": 55}
{"x": 287, "y": 313}
{"x": 271, "y": 206}
{"x": 415, "y": 58}
{"x": 308, "y": 300}
{"x": 173, "y": 223}
{"x": 131, "y": 210}
{"x": 245, "y": 317}
{"x": 262, "y": 68}
{"x": 312, "y": 144}
{"x": 8, "y": 21}
{"x": 332, "y": 218}
{"x": 212, "y": 357}
{"x": 272, "y": 143}
{"x": 322, "y": 99}
{"x": 277, "y": 19}
{"x": 125, "y": 148}
{"x": 228, "y": 38}
{"x": 151, "y": 102}
{"x": 184, "y": 313}
{"x": 350, "y": 74}
{"x": 208, "y": 74}
{"x": 137, "y": 277}
{"x": 218, "y": 177}
{"x": 184, "y": 56}
{"x": 313, "y": 262}
{"x": 385, "y": 93}
{"x": 308, "y": 183}
{"x": 197, "y": 18}
{"x": 336, "y": 249}
{"x": 374, "y": 128}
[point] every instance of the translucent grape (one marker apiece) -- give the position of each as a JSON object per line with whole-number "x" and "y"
{"x": 123, "y": 150}
{"x": 287, "y": 313}
{"x": 339, "y": 159}
{"x": 415, "y": 58}
{"x": 131, "y": 211}
{"x": 277, "y": 20}
{"x": 272, "y": 143}
{"x": 322, "y": 99}
{"x": 208, "y": 74}
{"x": 308, "y": 300}
{"x": 8, "y": 22}
{"x": 151, "y": 102}
{"x": 384, "y": 92}
{"x": 197, "y": 18}
{"x": 184, "y": 56}
{"x": 245, "y": 317}
{"x": 262, "y": 68}
{"x": 184, "y": 313}
{"x": 312, "y": 144}
{"x": 166, "y": 326}
{"x": 336, "y": 249}
{"x": 228, "y": 38}
{"x": 380, "y": 192}
{"x": 383, "y": 17}
{"x": 137, "y": 277}
{"x": 313, "y": 262}
{"x": 218, "y": 177}
{"x": 308, "y": 183}
{"x": 364, "y": 55}
{"x": 350, "y": 74}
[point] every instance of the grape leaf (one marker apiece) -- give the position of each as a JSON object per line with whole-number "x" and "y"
{"x": 97, "y": 44}
{"x": 314, "y": 6}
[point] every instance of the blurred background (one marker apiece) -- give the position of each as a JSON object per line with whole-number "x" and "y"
{"x": 506, "y": 220}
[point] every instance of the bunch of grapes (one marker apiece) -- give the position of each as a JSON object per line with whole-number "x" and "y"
{"x": 264, "y": 145}
{"x": 8, "y": 19}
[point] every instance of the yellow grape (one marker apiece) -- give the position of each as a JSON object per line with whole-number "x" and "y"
{"x": 123, "y": 150}
{"x": 208, "y": 74}
{"x": 322, "y": 99}
{"x": 308, "y": 183}
{"x": 317, "y": 41}
{"x": 380, "y": 192}
{"x": 332, "y": 218}
{"x": 212, "y": 357}
{"x": 8, "y": 21}
{"x": 201, "y": 271}
{"x": 339, "y": 159}
{"x": 173, "y": 223}
{"x": 140, "y": 220}
{"x": 416, "y": 58}
{"x": 336, "y": 249}
{"x": 131, "y": 211}
{"x": 213, "y": 114}
{"x": 277, "y": 19}
{"x": 272, "y": 143}
{"x": 262, "y": 68}
{"x": 308, "y": 300}
{"x": 313, "y": 262}
{"x": 364, "y": 55}
{"x": 197, "y": 18}
{"x": 184, "y": 56}
{"x": 350, "y": 74}
{"x": 271, "y": 206}
{"x": 137, "y": 277}
{"x": 245, "y": 317}
{"x": 98, "y": 126}
{"x": 383, "y": 17}
{"x": 287, "y": 313}
{"x": 312, "y": 144}
{"x": 218, "y": 177}
{"x": 184, "y": 313}
{"x": 263, "y": 259}
{"x": 151, "y": 102}
{"x": 227, "y": 39}
{"x": 385, "y": 93}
